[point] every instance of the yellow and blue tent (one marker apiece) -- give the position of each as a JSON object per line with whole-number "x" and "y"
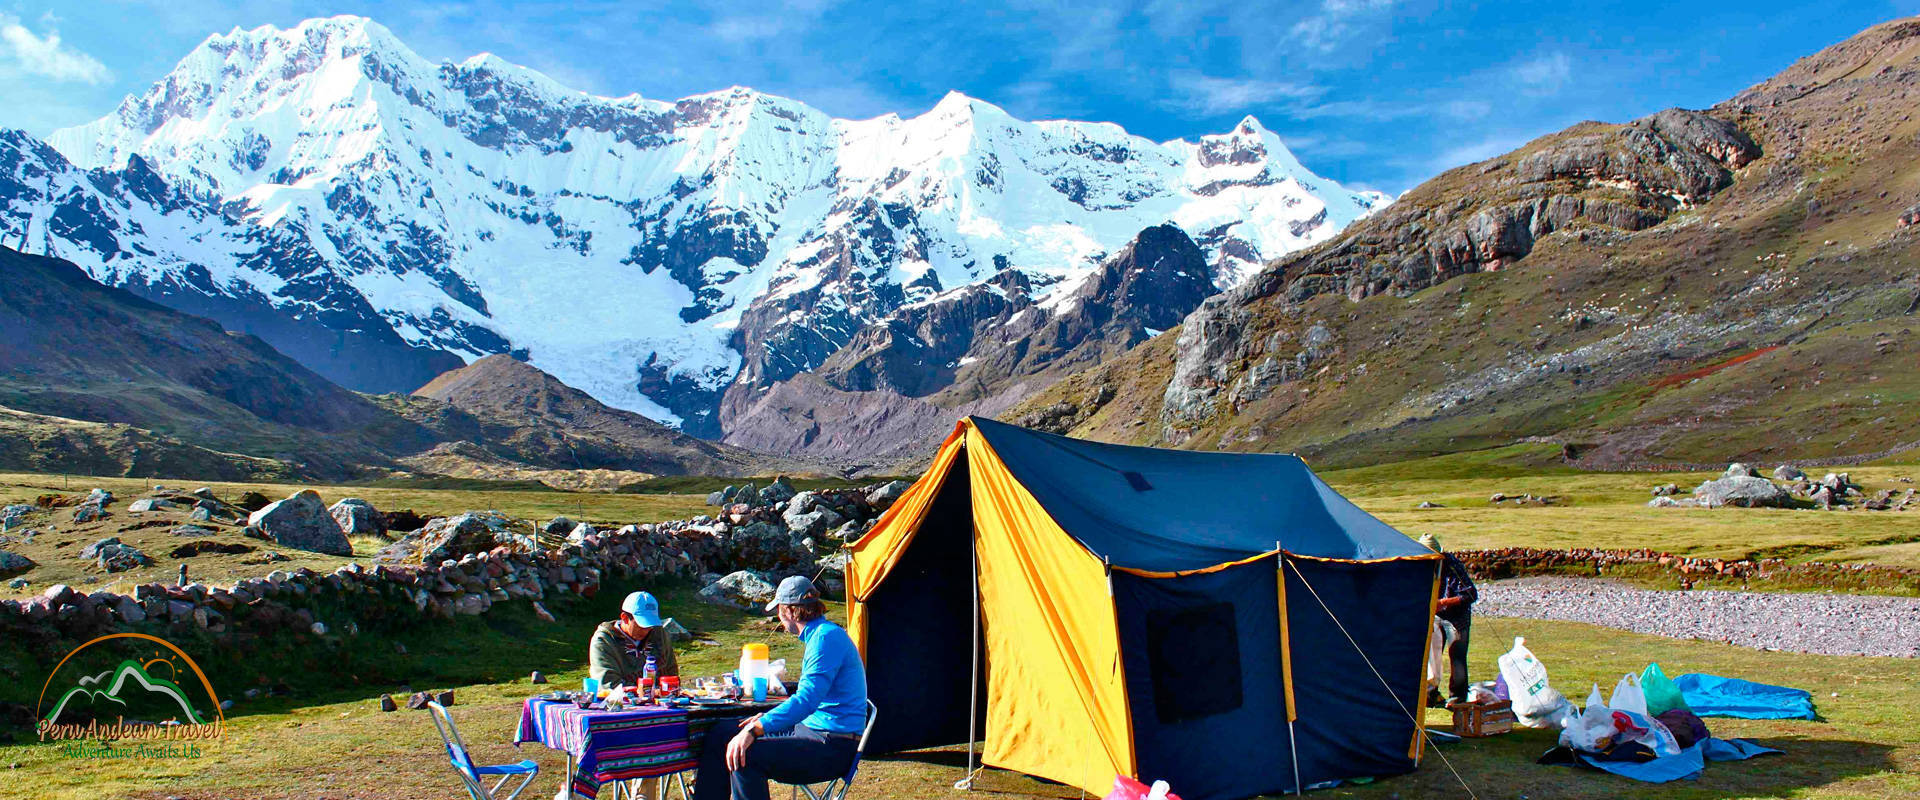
{"x": 1226, "y": 622}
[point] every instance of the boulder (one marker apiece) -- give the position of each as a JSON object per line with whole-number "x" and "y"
{"x": 253, "y": 501}
{"x": 777, "y": 493}
{"x": 560, "y": 526}
{"x": 15, "y": 510}
{"x": 675, "y": 630}
{"x": 883, "y": 496}
{"x": 1742, "y": 490}
{"x": 113, "y": 556}
{"x": 743, "y": 590}
{"x": 387, "y": 704}
{"x": 357, "y": 517}
{"x": 151, "y": 504}
{"x": 1666, "y": 490}
{"x": 12, "y": 564}
{"x": 1739, "y": 470}
{"x": 813, "y": 524}
{"x": 581, "y": 531}
{"x": 802, "y": 503}
{"x": 89, "y": 512}
{"x": 98, "y": 497}
{"x": 720, "y": 498}
{"x": 1669, "y": 502}
{"x": 301, "y": 522}
{"x": 453, "y": 537}
{"x": 1788, "y": 472}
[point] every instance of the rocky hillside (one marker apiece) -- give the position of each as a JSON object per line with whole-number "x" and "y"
{"x": 514, "y": 411}
{"x": 1687, "y": 287}
{"x": 77, "y": 350}
{"x": 897, "y": 387}
{"x": 375, "y": 214}
{"x": 96, "y": 380}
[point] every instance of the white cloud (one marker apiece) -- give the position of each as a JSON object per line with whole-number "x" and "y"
{"x": 1205, "y": 94}
{"x": 45, "y": 56}
{"x": 1546, "y": 74}
{"x": 1326, "y": 30}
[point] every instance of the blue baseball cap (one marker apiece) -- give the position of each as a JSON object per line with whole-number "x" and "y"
{"x": 644, "y": 608}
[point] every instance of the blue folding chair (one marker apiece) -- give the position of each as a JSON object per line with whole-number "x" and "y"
{"x": 836, "y": 789}
{"x": 471, "y": 773}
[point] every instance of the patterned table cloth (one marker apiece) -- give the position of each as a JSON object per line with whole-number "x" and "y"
{"x": 609, "y": 745}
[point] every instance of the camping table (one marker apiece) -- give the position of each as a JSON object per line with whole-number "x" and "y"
{"x": 603, "y": 746}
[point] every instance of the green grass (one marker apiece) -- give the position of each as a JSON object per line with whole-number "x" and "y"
{"x": 333, "y": 742}
{"x": 1608, "y": 510}
{"x": 707, "y": 484}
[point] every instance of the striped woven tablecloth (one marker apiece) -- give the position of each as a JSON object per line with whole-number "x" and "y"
{"x": 609, "y": 745}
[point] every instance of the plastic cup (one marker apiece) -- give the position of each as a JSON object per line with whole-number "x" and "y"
{"x": 590, "y": 686}
{"x": 759, "y": 690}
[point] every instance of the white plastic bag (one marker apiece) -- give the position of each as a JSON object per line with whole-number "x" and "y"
{"x": 1627, "y": 696}
{"x": 1599, "y": 728}
{"x": 1592, "y": 731}
{"x": 1536, "y": 704}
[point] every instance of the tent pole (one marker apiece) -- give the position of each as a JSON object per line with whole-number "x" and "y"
{"x": 1293, "y": 741}
{"x": 973, "y": 683}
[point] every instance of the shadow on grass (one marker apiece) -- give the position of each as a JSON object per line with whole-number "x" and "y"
{"x": 1495, "y": 769}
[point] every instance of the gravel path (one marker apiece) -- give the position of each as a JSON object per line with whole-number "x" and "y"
{"x": 1830, "y": 624}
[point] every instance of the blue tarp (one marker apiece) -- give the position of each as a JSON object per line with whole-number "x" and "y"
{"x": 1687, "y": 765}
{"x": 1715, "y": 696}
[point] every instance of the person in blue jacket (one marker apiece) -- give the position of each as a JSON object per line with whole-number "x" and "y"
{"x": 811, "y": 736}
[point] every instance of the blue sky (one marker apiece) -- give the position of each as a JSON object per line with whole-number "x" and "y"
{"x": 1376, "y": 93}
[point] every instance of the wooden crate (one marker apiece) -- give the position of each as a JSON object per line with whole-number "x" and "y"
{"x": 1482, "y": 719}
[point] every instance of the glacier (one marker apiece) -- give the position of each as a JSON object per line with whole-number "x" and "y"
{"x": 651, "y": 253}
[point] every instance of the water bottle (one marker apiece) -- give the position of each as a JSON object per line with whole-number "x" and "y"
{"x": 647, "y": 677}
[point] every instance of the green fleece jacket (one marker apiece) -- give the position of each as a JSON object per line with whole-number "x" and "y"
{"x": 614, "y": 659}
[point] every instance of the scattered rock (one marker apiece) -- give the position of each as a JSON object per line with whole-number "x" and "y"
{"x": 301, "y": 522}
{"x": 540, "y": 612}
{"x": 1429, "y": 504}
{"x": 743, "y": 590}
{"x": 675, "y": 629}
{"x": 387, "y": 704}
{"x": 444, "y": 698}
{"x": 560, "y": 526}
{"x": 537, "y": 678}
{"x": 1739, "y": 470}
{"x": 253, "y": 501}
{"x": 151, "y": 504}
{"x": 318, "y": 628}
{"x": 357, "y": 517}
{"x": 778, "y": 492}
{"x": 882, "y": 497}
{"x": 1788, "y": 473}
{"x": 12, "y": 563}
{"x": 1666, "y": 490}
{"x": 113, "y": 556}
{"x": 419, "y": 700}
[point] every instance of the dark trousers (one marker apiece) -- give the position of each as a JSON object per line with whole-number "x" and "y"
{"x": 801, "y": 755}
{"x": 1457, "y": 656}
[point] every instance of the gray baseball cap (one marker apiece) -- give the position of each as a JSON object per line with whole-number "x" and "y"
{"x": 794, "y": 589}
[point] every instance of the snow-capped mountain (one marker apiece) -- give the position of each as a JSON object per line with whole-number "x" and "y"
{"x": 651, "y": 253}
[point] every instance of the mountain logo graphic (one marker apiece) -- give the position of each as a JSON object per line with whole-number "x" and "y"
{"x": 106, "y": 688}
{"x": 155, "y": 684}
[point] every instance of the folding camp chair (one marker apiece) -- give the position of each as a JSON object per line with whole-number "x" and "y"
{"x": 469, "y": 772}
{"x": 836, "y": 789}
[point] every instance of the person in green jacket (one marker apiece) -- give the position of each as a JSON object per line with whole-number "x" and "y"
{"x": 618, "y": 653}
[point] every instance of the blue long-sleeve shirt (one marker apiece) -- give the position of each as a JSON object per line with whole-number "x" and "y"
{"x": 833, "y": 685}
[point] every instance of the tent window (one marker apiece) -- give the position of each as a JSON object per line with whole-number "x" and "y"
{"x": 1194, "y": 654}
